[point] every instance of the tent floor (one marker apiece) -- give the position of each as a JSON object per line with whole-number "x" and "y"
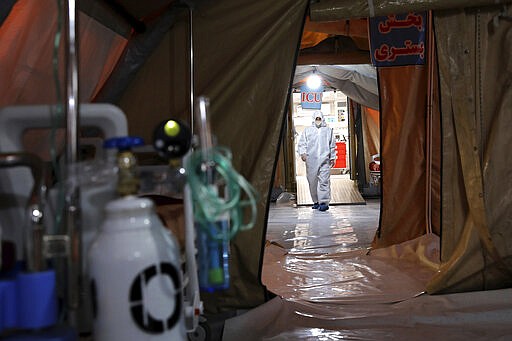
{"x": 343, "y": 191}
{"x": 329, "y": 287}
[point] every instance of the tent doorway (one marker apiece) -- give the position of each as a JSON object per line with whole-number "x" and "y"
{"x": 350, "y": 103}
{"x": 334, "y": 107}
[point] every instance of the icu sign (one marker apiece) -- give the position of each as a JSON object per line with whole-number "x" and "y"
{"x": 311, "y": 99}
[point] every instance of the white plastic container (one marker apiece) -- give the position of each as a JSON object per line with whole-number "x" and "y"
{"x": 136, "y": 281}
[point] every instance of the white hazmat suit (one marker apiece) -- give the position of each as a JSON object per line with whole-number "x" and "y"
{"x": 317, "y": 148}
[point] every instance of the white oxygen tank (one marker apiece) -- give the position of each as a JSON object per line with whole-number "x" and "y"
{"x": 136, "y": 278}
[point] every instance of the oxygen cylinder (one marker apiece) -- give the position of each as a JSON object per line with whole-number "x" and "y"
{"x": 136, "y": 281}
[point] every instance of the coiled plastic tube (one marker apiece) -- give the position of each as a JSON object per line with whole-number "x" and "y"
{"x": 207, "y": 175}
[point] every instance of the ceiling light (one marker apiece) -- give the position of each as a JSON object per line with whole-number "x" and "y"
{"x": 314, "y": 81}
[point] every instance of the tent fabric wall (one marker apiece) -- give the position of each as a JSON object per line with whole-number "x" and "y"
{"x": 245, "y": 68}
{"x": 475, "y": 62}
{"x": 137, "y": 51}
{"x": 403, "y": 92}
{"x": 26, "y": 54}
{"x": 371, "y": 135}
{"x": 434, "y": 136}
{"x": 371, "y": 124}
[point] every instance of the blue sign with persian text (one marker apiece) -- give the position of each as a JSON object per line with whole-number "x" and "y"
{"x": 397, "y": 40}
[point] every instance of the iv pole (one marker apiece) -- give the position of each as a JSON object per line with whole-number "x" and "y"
{"x": 71, "y": 110}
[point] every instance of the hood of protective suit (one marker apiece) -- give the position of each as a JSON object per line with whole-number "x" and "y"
{"x": 320, "y": 114}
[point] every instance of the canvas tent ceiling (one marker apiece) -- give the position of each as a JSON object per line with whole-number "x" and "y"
{"x": 359, "y": 82}
{"x": 332, "y": 10}
{"x": 335, "y": 43}
{"x": 126, "y": 16}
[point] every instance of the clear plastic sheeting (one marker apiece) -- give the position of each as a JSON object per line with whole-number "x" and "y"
{"x": 481, "y": 315}
{"x": 349, "y": 278}
{"x": 323, "y": 257}
{"x": 304, "y": 231}
{"x": 356, "y": 294}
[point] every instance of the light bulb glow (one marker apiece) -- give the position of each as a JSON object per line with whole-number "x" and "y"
{"x": 314, "y": 81}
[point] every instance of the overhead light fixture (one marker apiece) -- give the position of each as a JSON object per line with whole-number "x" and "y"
{"x": 314, "y": 81}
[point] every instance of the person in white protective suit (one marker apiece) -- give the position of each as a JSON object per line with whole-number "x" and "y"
{"x": 317, "y": 148}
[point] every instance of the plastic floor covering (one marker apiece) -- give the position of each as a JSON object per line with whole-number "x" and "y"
{"x": 329, "y": 287}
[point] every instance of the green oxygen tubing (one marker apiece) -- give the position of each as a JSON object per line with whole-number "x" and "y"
{"x": 220, "y": 193}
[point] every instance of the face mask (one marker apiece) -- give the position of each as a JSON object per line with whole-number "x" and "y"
{"x": 318, "y": 123}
